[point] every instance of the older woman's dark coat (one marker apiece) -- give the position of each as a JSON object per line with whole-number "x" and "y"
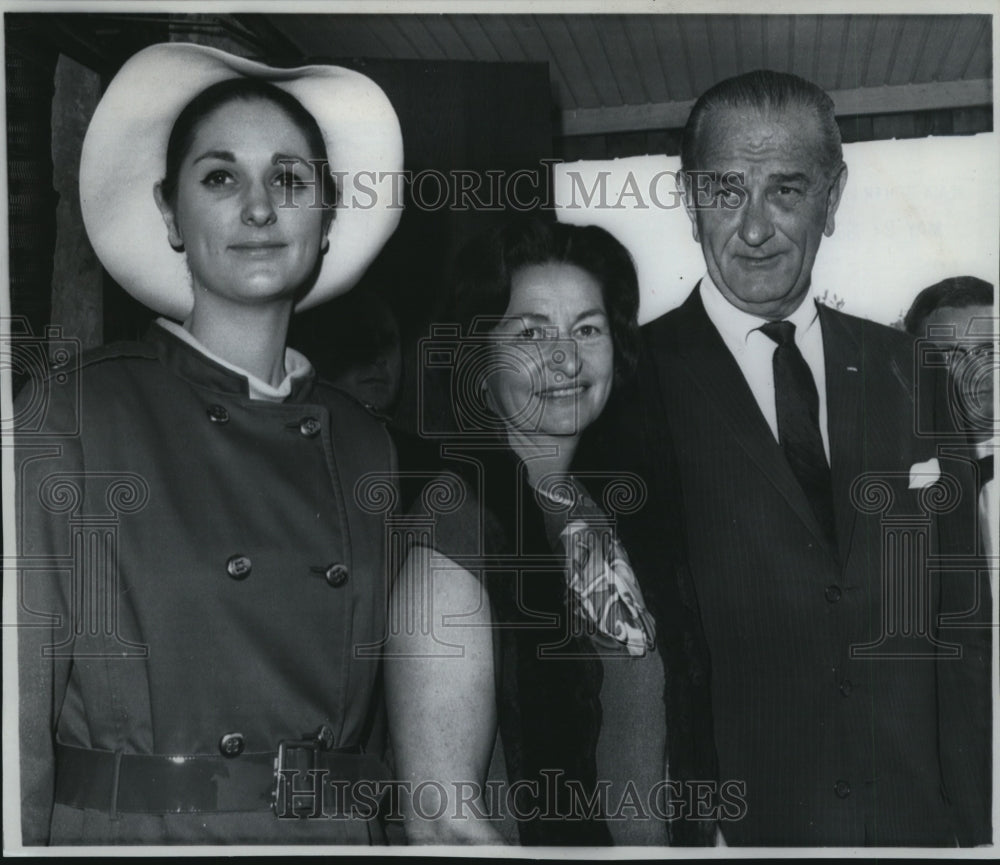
{"x": 180, "y": 579}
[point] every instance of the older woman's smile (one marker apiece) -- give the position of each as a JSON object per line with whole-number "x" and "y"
{"x": 565, "y": 392}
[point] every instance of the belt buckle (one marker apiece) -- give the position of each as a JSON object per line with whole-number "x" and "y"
{"x": 321, "y": 740}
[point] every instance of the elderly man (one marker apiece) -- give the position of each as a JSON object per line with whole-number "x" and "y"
{"x": 843, "y": 707}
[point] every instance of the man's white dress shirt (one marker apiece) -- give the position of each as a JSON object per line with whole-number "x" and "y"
{"x": 754, "y": 351}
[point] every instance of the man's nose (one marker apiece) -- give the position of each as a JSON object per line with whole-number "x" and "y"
{"x": 258, "y": 208}
{"x": 756, "y": 227}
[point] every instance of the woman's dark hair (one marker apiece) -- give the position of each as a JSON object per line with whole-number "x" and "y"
{"x": 485, "y": 266}
{"x": 234, "y": 89}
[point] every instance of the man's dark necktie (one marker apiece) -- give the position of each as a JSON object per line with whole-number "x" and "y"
{"x": 797, "y": 403}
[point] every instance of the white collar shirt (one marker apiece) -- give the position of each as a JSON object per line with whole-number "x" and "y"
{"x": 754, "y": 350}
{"x": 297, "y": 366}
{"x": 989, "y": 519}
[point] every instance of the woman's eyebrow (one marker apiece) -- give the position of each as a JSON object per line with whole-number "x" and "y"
{"x": 224, "y": 155}
{"x": 229, "y": 156}
{"x": 534, "y": 316}
{"x": 286, "y": 158}
{"x": 587, "y": 313}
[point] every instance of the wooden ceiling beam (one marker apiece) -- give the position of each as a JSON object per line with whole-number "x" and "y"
{"x": 863, "y": 100}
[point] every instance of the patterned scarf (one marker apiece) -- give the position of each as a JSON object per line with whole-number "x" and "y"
{"x": 602, "y": 586}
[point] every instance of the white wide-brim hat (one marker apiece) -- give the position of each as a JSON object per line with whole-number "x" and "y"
{"x": 124, "y": 155}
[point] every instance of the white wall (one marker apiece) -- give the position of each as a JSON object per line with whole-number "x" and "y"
{"x": 913, "y": 212}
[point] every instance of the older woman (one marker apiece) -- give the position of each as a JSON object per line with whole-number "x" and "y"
{"x": 188, "y": 649}
{"x": 522, "y": 612}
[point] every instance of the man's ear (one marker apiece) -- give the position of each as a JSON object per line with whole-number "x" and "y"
{"x": 833, "y": 198}
{"x": 167, "y": 212}
{"x": 683, "y": 182}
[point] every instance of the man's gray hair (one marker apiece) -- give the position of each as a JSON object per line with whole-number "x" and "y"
{"x": 757, "y": 91}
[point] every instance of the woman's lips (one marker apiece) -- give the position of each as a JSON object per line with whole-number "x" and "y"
{"x": 257, "y": 249}
{"x": 562, "y": 392}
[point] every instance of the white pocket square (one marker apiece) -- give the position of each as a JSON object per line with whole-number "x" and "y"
{"x": 924, "y": 474}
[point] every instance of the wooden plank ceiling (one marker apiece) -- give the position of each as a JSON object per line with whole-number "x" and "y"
{"x": 614, "y": 73}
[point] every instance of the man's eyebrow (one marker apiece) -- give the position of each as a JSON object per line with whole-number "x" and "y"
{"x": 224, "y": 155}
{"x": 794, "y": 177}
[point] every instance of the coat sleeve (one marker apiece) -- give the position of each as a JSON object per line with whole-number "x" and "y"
{"x": 967, "y": 608}
{"x": 42, "y": 448}
{"x": 377, "y": 741}
{"x": 635, "y": 434}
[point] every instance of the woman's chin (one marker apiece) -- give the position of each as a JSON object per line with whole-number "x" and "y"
{"x": 565, "y": 420}
{"x": 253, "y": 293}
{"x": 563, "y": 428}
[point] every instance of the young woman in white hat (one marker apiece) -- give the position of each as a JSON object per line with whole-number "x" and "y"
{"x": 202, "y": 592}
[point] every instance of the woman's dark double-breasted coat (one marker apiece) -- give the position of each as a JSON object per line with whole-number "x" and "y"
{"x": 194, "y": 564}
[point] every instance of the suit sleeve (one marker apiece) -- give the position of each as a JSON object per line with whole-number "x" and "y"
{"x": 635, "y": 434}
{"x": 964, "y": 683}
{"x": 43, "y": 575}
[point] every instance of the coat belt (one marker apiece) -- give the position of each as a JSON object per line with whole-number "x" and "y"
{"x": 116, "y": 782}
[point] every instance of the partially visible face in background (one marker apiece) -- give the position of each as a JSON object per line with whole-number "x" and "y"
{"x": 967, "y": 333}
{"x": 374, "y": 373}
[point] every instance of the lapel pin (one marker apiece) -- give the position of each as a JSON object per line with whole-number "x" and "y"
{"x": 852, "y": 369}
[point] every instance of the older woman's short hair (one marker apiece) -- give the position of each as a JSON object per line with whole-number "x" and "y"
{"x": 484, "y": 269}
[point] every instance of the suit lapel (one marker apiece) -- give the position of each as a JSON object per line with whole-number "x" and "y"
{"x": 715, "y": 371}
{"x": 844, "y": 378}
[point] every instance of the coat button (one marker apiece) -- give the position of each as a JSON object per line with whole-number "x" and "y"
{"x": 324, "y": 735}
{"x": 833, "y": 594}
{"x": 846, "y": 687}
{"x": 842, "y": 789}
{"x": 336, "y": 575}
{"x": 309, "y": 427}
{"x": 218, "y": 414}
{"x": 232, "y": 745}
{"x": 239, "y": 567}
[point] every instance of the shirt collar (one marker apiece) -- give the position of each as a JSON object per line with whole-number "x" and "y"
{"x": 737, "y": 325}
{"x": 987, "y": 447}
{"x": 297, "y": 367}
